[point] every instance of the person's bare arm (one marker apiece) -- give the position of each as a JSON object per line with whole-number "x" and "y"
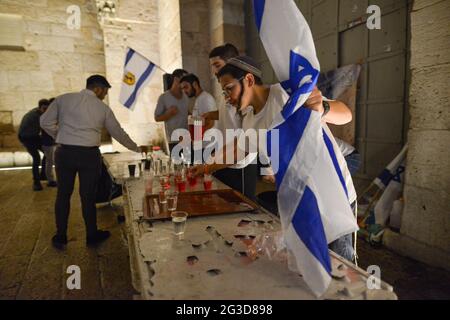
{"x": 339, "y": 113}
{"x": 219, "y": 162}
{"x": 212, "y": 115}
{"x": 171, "y": 112}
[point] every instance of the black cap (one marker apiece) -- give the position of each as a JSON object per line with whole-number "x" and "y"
{"x": 97, "y": 81}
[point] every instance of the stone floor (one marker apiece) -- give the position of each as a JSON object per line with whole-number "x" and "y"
{"x": 31, "y": 269}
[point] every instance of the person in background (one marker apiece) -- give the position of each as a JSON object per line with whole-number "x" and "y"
{"x": 75, "y": 121}
{"x": 241, "y": 177}
{"x": 48, "y": 147}
{"x": 29, "y": 136}
{"x": 204, "y": 102}
{"x": 172, "y": 107}
{"x": 242, "y": 85}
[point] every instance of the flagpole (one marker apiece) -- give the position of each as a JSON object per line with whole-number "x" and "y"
{"x": 149, "y": 60}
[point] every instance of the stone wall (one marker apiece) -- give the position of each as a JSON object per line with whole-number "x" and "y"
{"x": 135, "y": 25}
{"x": 194, "y": 19}
{"x": 425, "y": 230}
{"x": 226, "y": 25}
{"x": 54, "y": 60}
{"x": 170, "y": 35}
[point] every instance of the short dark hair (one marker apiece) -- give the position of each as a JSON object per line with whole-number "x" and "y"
{"x": 179, "y": 73}
{"x": 51, "y": 100}
{"x": 97, "y": 80}
{"x": 238, "y": 73}
{"x": 43, "y": 102}
{"x": 224, "y": 52}
{"x": 190, "y": 78}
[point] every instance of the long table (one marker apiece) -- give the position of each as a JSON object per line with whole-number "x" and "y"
{"x": 210, "y": 262}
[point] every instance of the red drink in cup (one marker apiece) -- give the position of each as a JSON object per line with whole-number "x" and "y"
{"x": 196, "y": 128}
{"x": 181, "y": 184}
{"x": 207, "y": 182}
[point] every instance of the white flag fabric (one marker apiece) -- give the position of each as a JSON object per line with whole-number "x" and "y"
{"x": 391, "y": 181}
{"x": 312, "y": 193}
{"x": 390, "y": 171}
{"x": 137, "y": 71}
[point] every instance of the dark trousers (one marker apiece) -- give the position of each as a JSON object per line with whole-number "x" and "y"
{"x": 87, "y": 162}
{"x": 33, "y": 145}
{"x": 242, "y": 180}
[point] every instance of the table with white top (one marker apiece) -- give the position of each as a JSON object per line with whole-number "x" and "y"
{"x": 211, "y": 260}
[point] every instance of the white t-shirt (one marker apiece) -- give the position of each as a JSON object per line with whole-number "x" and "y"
{"x": 204, "y": 103}
{"x": 263, "y": 120}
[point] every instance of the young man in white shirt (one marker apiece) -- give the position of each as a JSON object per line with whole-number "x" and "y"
{"x": 243, "y": 88}
{"x": 204, "y": 102}
{"x": 240, "y": 177}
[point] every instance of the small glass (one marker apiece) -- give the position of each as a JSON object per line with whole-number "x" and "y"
{"x": 147, "y": 178}
{"x": 207, "y": 182}
{"x": 164, "y": 182}
{"x": 132, "y": 169}
{"x": 172, "y": 200}
{"x": 179, "y": 222}
{"x": 163, "y": 196}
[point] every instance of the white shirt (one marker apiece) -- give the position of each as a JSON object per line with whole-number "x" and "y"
{"x": 263, "y": 120}
{"x": 78, "y": 118}
{"x": 204, "y": 103}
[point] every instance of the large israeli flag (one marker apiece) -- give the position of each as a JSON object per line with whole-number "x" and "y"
{"x": 312, "y": 193}
{"x": 137, "y": 71}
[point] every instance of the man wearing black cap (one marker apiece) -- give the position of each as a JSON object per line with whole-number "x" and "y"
{"x": 76, "y": 120}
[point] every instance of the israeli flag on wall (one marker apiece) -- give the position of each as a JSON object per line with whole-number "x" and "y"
{"x": 312, "y": 194}
{"x": 136, "y": 73}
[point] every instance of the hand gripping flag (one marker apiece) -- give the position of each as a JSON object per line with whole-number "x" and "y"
{"x": 137, "y": 71}
{"x": 312, "y": 192}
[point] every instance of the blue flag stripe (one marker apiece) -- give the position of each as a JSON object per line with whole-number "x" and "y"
{"x": 307, "y": 223}
{"x": 330, "y": 148}
{"x": 140, "y": 82}
{"x": 385, "y": 177}
{"x": 258, "y": 6}
{"x": 290, "y": 133}
{"x": 130, "y": 54}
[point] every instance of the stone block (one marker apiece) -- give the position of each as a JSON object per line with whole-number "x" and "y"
{"x": 19, "y": 61}
{"x": 22, "y": 159}
{"x": 430, "y": 25}
{"x": 19, "y": 80}
{"x": 427, "y": 162}
{"x": 426, "y": 216}
{"x": 38, "y": 28}
{"x": 58, "y": 44}
{"x": 11, "y": 35}
{"x": 11, "y": 101}
{"x": 93, "y": 63}
{"x": 6, "y": 122}
{"x": 60, "y": 61}
{"x": 41, "y": 80}
{"x": 6, "y": 159}
{"x": 429, "y": 98}
{"x": 408, "y": 246}
{"x": 4, "y": 84}
{"x": 11, "y": 141}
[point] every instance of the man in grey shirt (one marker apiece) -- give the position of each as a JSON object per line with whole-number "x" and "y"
{"x": 75, "y": 121}
{"x": 172, "y": 107}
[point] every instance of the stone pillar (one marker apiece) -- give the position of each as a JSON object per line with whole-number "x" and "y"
{"x": 134, "y": 24}
{"x": 170, "y": 35}
{"x": 194, "y": 18}
{"x": 226, "y": 25}
{"x": 425, "y": 230}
